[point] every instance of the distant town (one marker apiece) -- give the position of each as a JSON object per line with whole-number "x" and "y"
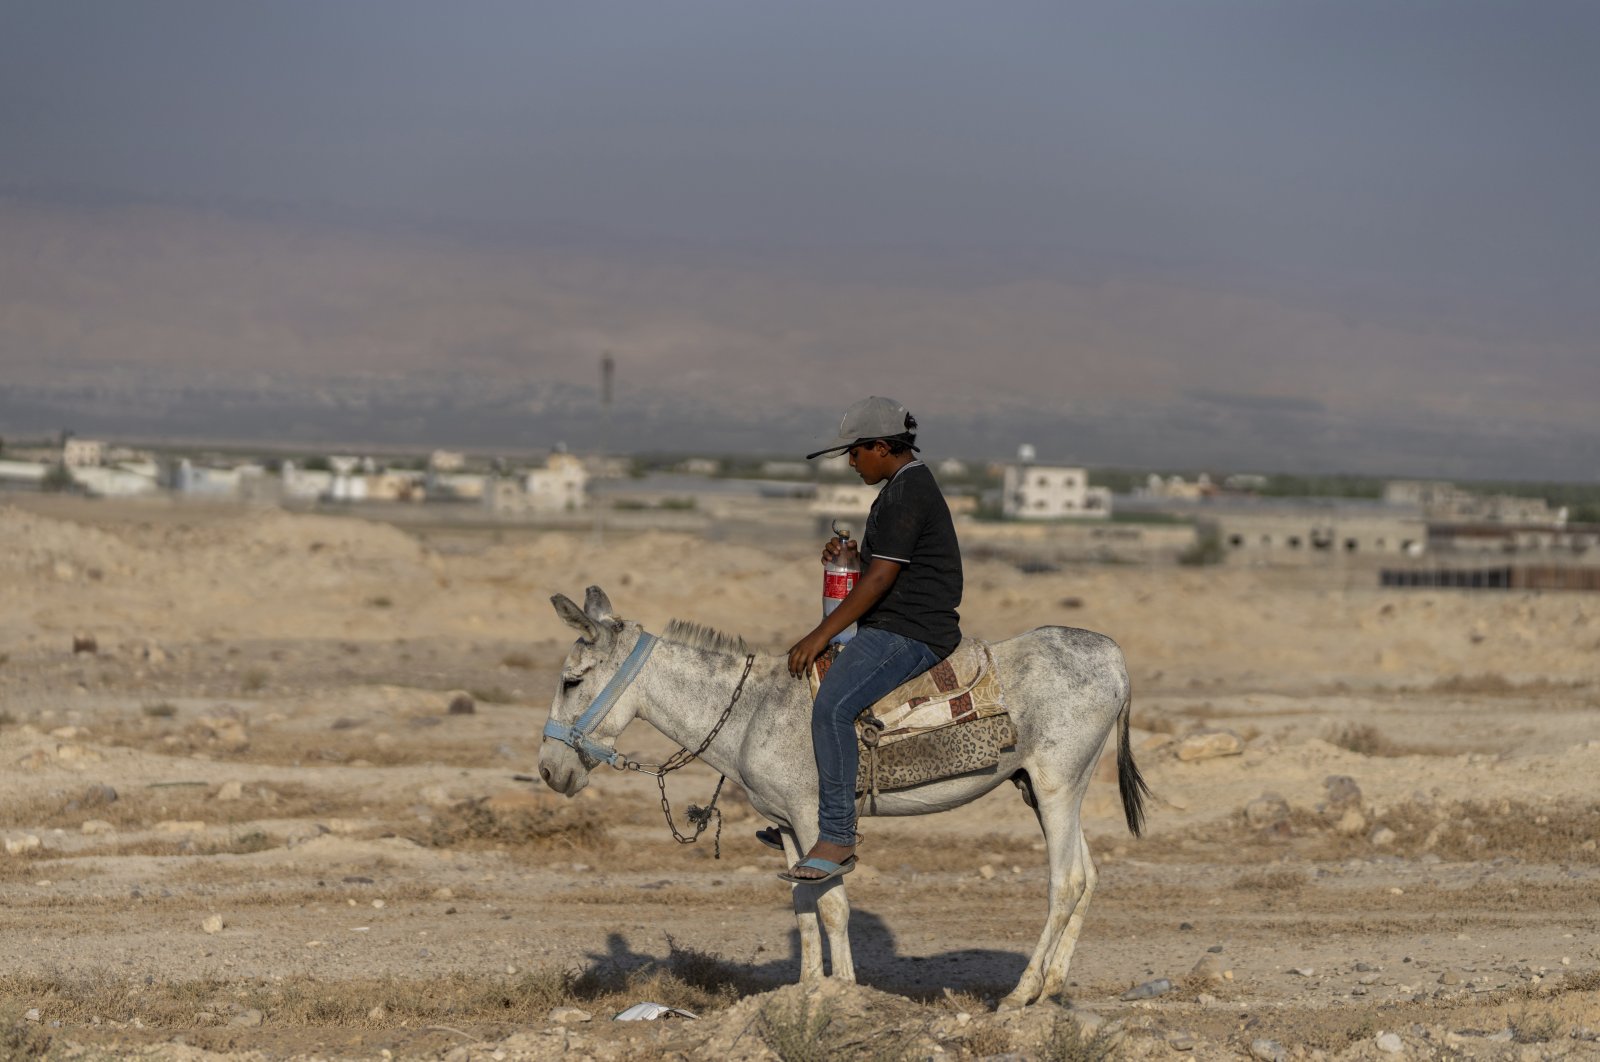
{"x": 1239, "y": 517}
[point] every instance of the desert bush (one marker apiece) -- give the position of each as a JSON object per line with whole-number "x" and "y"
{"x": 491, "y": 695}
{"x": 561, "y": 826}
{"x": 797, "y": 1031}
{"x": 160, "y": 711}
{"x": 1068, "y": 1042}
{"x": 1529, "y": 1028}
{"x": 1207, "y": 549}
{"x": 1360, "y": 738}
{"x": 984, "y": 1041}
{"x": 521, "y": 661}
{"x": 253, "y": 680}
{"x": 1270, "y": 880}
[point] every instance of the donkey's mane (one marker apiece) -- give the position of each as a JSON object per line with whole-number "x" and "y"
{"x": 699, "y": 636}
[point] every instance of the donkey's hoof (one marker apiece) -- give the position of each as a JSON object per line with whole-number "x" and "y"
{"x": 1013, "y": 1002}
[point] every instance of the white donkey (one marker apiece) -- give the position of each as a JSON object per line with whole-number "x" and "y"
{"x": 1066, "y": 690}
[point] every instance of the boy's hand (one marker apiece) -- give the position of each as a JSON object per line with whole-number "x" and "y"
{"x": 803, "y": 652}
{"x": 832, "y": 548}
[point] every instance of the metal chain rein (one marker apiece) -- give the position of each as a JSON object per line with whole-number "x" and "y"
{"x": 699, "y": 817}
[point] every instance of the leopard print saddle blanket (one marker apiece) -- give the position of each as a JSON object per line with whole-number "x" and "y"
{"x": 949, "y": 720}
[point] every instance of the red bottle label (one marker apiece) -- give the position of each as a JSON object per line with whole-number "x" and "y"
{"x": 838, "y": 585}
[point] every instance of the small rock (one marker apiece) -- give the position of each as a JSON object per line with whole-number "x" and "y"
{"x": 986, "y": 872}
{"x": 1149, "y": 990}
{"x": 1267, "y": 1050}
{"x": 569, "y": 1015}
{"x": 1342, "y": 792}
{"x": 97, "y": 795}
{"x": 31, "y": 1014}
{"x": 1304, "y": 971}
{"x": 1266, "y": 810}
{"x": 230, "y": 791}
{"x": 462, "y": 704}
{"x": 1351, "y": 823}
{"x": 1390, "y": 1043}
{"x": 1208, "y": 969}
{"x": 179, "y": 826}
{"x": 1450, "y": 977}
{"x": 443, "y": 893}
{"x": 377, "y": 1013}
{"x": 212, "y": 924}
{"x": 84, "y": 642}
{"x": 249, "y": 1018}
{"x": 26, "y": 843}
{"x": 436, "y": 796}
{"x": 1181, "y": 1042}
{"x": 1209, "y": 745}
{"x": 1382, "y": 837}
{"x": 93, "y": 826}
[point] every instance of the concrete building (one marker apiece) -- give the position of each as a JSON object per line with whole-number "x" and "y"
{"x": 560, "y": 486}
{"x": 446, "y": 461}
{"x": 305, "y": 484}
{"x": 22, "y": 475}
{"x": 115, "y": 481}
{"x": 1052, "y": 492}
{"x": 83, "y": 453}
{"x": 1321, "y": 532}
{"x": 1442, "y": 502}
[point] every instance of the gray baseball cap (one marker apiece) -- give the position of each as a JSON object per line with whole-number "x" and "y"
{"x": 871, "y": 418}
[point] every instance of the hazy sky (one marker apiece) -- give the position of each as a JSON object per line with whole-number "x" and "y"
{"x": 1385, "y": 158}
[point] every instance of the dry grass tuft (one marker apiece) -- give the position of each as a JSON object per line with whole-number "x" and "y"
{"x": 686, "y": 978}
{"x": 1068, "y": 1042}
{"x": 1270, "y": 880}
{"x": 797, "y": 1031}
{"x": 473, "y": 823}
{"x": 985, "y": 1041}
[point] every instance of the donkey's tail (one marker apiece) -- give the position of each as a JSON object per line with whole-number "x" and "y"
{"x": 1129, "y": 781}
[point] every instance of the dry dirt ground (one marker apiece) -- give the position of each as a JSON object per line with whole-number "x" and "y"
{"x": 246, "y": 822}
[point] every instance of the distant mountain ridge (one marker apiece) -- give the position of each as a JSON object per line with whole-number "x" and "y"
{"x": 163, "y": 320}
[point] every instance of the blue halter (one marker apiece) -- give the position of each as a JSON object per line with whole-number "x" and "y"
{"x": 576, "y": 736}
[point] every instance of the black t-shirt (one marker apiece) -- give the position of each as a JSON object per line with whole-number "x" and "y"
{"x": 910, "y": 524}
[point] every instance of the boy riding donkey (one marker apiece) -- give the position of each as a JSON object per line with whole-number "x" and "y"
{"x": 904, "y": 608}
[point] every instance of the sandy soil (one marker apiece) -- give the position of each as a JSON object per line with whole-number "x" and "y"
{"x": 247, "y": 823}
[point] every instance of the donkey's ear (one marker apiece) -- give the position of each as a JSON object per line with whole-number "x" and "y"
{"x": 597, "y": 606}
{"x": 575, "y": 618}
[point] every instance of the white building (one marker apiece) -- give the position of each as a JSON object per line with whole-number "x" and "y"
{"x": 22, "y": 473}
{"x": 306, "y": 484}
{"x": 119, "y": 481}
{"x": 1051, "y": 492}
{"x": 83, "y": 453}
{"x": 560, "y": 486}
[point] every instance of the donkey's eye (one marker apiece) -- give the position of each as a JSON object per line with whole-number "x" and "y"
{"x": 568, "y": 683}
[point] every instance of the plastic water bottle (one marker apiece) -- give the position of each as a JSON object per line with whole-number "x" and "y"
{"x": 838, "y": 579}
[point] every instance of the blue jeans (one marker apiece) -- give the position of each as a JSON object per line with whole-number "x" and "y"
{"x": 871, "y": 664}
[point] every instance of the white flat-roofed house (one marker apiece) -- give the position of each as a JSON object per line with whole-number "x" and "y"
{"x": 447, "y": 461}
{"x": 843, "y": 499}
{"x": 200, "y": 481}
{"x": 560, "y": 486}
{"x": 83, "y": 453}
{"x": 1052, "y": 492}
{"x": 118, "y": 481}
{"x": 23, "y": 474}
{"x": 306, "y": 484}
{"x": 396, "y": 485}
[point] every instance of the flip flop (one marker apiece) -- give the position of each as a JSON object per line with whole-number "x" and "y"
{"x": 771, "y": 837}
{"x": 830, "y": 870}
